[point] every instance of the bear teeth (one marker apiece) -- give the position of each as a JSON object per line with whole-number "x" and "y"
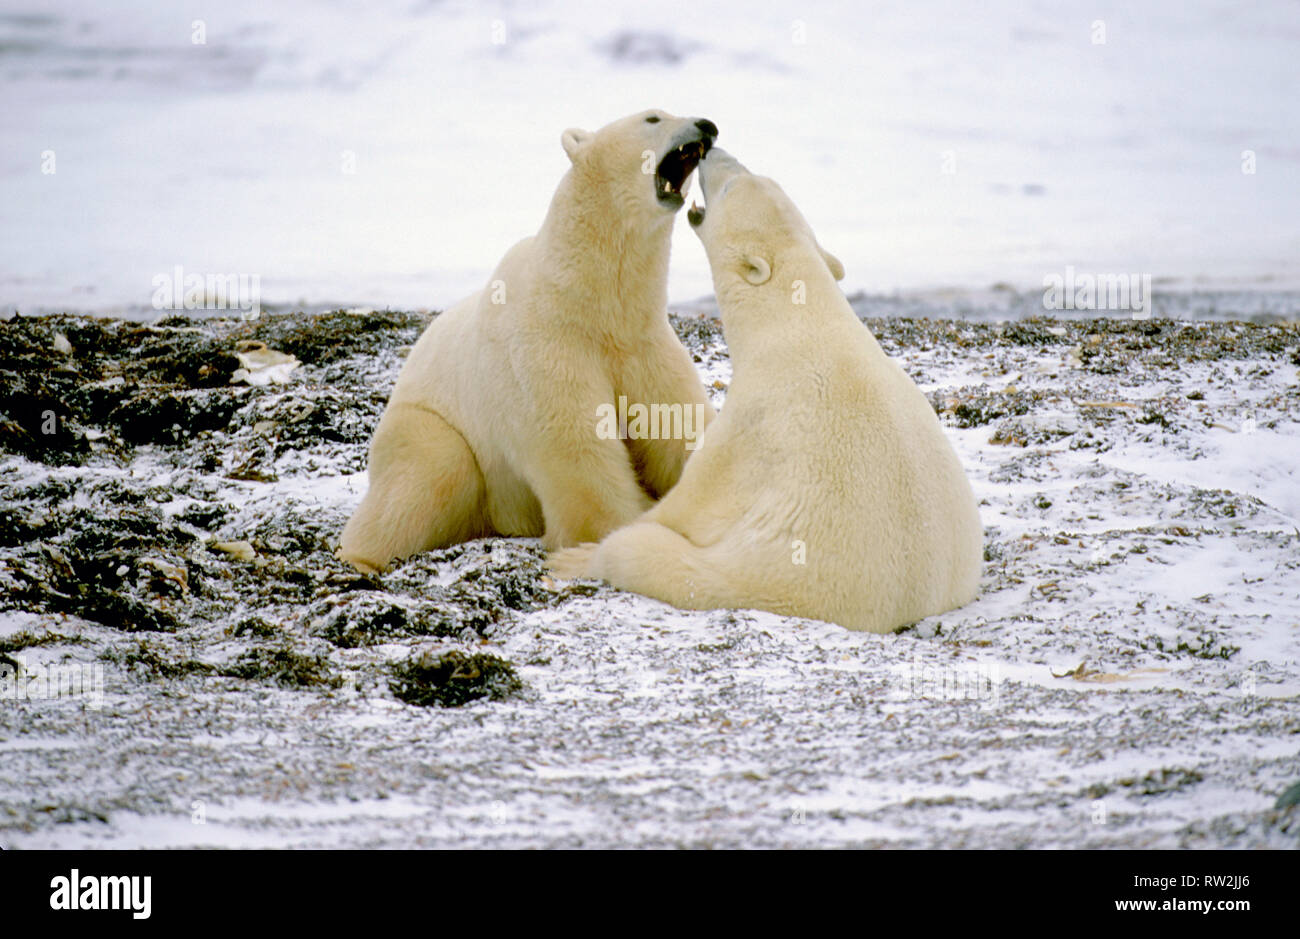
{"x": 675, "y": 169}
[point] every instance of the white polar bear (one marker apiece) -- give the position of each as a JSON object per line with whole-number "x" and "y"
{"x": 492, "y": 425}
{"x": 825, "y": 488}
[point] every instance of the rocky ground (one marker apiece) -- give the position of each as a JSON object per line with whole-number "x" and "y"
{"x": 186, "y": 664}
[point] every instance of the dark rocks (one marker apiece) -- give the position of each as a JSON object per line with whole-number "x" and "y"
{"x": 453, "y": 679}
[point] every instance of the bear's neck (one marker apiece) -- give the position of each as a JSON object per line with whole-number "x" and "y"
{"x": 767, "y": 327}
{"x": 610, "y": 265}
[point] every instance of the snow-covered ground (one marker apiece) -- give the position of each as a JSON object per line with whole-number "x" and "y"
{"x": 1129, "y": 676}
{"x": 389, "y": 151}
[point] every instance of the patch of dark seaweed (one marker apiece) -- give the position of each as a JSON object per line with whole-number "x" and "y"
{"x": 283, "y": 666}
{"x": 977, "y": 406}
{"x": 321, "y": 338}
{"x": 174, "y": 418}
{"x": 367, "y": 619}
{"x": 254, "y": 626}
{"x": 26, "y": 639}
{"x": 108, "y": 608}
{"x": 453, "y": 679}
{"x": 360, "y": 620}
{"x": 145, "y": 657}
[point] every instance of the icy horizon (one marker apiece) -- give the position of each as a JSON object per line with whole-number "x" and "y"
{"x": 389, "y": 153}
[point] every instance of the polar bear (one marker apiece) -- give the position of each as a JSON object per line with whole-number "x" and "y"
{"x": 825, "y": 488}
{"x": 492, "y": 427}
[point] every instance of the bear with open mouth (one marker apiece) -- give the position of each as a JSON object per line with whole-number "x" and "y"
{"x": 825, "y": 488}
{"x": 491, "y": 427}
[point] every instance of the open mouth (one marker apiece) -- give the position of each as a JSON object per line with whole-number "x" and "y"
{"x": 676, "y": 168}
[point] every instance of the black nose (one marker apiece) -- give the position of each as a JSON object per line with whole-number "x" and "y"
{"x": 707, "y": 127}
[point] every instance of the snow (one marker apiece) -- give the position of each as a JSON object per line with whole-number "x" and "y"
{"x": 1135, "y": 652}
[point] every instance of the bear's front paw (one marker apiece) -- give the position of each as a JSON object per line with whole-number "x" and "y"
{"x": 573, "y": 563}
{"x": 364, "y": 566}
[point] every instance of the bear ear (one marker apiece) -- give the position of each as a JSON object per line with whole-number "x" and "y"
{"x": 573, "y": 140}
{"x": 837, "y": 269}
{"x": 755, "y": 269}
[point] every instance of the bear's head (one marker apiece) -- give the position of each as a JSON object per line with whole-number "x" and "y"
{"x": 752, "y": 232}
{"x": 643, "y": 161}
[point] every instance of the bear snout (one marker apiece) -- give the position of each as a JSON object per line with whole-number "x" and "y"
{"x": 707, "y": 127}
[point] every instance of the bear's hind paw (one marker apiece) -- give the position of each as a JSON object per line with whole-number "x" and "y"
{"x": 573, "y": 563}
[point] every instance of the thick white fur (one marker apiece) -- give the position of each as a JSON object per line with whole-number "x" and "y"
{"x": 825, "y": 451}
{"x": 491, "y": 428}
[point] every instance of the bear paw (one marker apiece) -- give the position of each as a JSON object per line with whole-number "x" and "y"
{"x": 573, "y": 563}
{"x": 363, "y": 566}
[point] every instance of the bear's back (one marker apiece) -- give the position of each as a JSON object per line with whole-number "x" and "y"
{"x": 848, "y": 458}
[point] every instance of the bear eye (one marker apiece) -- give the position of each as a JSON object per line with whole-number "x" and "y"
{"x": 652, "y": 119}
